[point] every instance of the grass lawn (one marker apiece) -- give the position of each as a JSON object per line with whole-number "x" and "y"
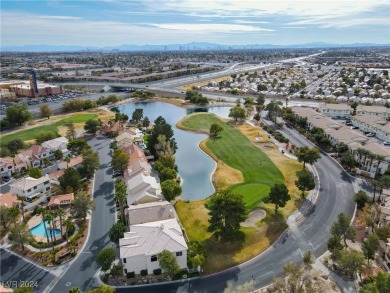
{"x": 220, "y": 254}
{"x": 31, "y": 133}
{"x": 238, "y": 152}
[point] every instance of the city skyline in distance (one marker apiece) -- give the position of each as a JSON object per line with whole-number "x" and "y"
{"x": 112, "y": 23}
{"x": 181, "y": 47}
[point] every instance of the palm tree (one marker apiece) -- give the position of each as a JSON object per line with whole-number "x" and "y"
{"x": 22, "y": 198}
{"x": 375, "y": 184}
{"x": 60, "y": 213}
{"x": 383, "y": 183}
{"x": 366, "y": 153}
{"x": 41, "y": 210}
{"x": 380, "y": 159}
{"x": 371, "y": 156}
{"x": 68, "y": 224}
{"x": 360, "y": 153}
{"x": 49, "y": 218}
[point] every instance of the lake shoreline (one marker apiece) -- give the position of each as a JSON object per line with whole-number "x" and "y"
{"x": 202, "y": 147}
{"x": 171, "y": 101}
{"x": 195, "y": 165}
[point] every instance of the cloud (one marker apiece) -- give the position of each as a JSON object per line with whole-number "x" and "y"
{"x": 293, "y": 27}
{"x": 343, "y": 23}
{"x": 103, "y": 33}
{"x": 60, "y": 17}
{"x": 250, "y": 21}
{"x": 301, "y": 10}
{"x": 215, "y": 27}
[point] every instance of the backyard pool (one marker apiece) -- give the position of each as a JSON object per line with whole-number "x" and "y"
{"x": 40, "y": 230}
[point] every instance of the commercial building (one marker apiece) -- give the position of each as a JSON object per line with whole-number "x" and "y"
{"x": 25, "y": 90}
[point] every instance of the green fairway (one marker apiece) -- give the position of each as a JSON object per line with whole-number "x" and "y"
{"x": 236, "y": 150}
{"x": 31, "y": 133}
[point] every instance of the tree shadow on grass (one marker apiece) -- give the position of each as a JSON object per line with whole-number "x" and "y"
{"x": 220, "y": 252}
{"x": 276, "y": 224}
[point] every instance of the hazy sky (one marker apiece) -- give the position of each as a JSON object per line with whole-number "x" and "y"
{"x": 116, "y": 22}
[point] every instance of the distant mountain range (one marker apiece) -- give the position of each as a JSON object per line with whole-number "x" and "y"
{"x": 178, "y": 47}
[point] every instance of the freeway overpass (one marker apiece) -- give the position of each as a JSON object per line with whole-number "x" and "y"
{"x": 169, "y": 85}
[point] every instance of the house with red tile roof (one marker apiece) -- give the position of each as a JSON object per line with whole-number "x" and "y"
{"x": 61, "y": 201}
{"x": 34, "y": 154}
{"x": 135, "y": 153}
{"x": 10, "y": 165}
{"x": 73, "y": 163}
{"x": 9, "y": 200}
{"x": 56, "y": 175}
{"x": 111, "y": 128}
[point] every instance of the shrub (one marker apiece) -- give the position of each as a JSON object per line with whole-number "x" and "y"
{"x": 157, "y": 272}
{"x": 116, "y": 270}
{"x": 144, "y": 272}
{"x": 130, "y": 275}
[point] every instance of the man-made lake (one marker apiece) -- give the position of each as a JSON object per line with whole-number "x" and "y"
{"x": 194, "y": 166}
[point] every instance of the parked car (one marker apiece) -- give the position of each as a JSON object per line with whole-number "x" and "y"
{"x": 386, "y": 143}
{"x": 370, "y": 134}
{"x": 116, "y": 174}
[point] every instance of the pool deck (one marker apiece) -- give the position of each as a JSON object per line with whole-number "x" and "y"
{"x": 34, "y": 221}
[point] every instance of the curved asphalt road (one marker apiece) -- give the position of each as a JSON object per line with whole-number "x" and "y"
{"x": 310, "y": 233}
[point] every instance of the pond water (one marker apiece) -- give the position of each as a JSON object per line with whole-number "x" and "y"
{"x": 194, "y": 166}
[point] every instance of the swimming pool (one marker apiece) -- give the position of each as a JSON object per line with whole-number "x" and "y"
{"x": 40, "y": 230}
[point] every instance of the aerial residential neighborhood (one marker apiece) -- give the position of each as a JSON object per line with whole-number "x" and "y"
{"x": 192, "y": 146}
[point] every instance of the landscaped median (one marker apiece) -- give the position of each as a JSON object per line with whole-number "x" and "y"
{"x": 246, "y": 167}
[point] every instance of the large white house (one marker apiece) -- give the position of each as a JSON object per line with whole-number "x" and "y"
{"x": 142, "y": 189}
{"x": 59, "y": 143}
{"x": 31, "y": 187}
{"x": 140, "y": 247}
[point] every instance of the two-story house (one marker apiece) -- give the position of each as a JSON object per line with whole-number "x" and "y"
{"x": 139, "y": 248}
{"x": 31, "y": 187}
{"x": 34, "y": 155}
{"x": 59, "y": 143}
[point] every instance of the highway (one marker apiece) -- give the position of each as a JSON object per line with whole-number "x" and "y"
{"x": 170, "y": 86}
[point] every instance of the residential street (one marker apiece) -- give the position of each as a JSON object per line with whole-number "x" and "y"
{"x": 15, "y": 270}
{"x": 81, "y": 272}
{"x": 310, "y": 233}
